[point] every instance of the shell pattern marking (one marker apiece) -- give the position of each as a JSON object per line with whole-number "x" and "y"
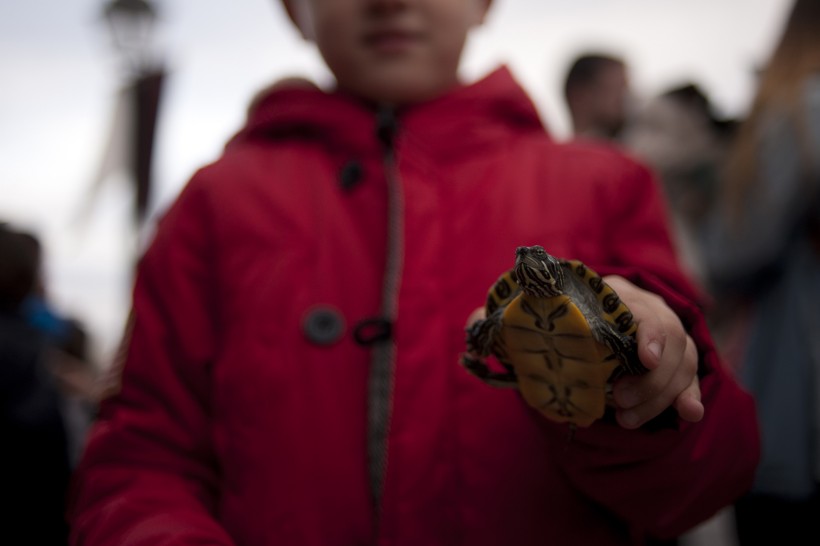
{"x": 562, "y": 334}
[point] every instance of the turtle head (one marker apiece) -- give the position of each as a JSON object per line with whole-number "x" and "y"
{"x": 537, "y": 272}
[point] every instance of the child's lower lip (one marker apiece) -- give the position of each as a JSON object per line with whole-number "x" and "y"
{"x": 390, "y": 42}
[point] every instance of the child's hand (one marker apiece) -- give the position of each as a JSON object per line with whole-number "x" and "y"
{"x": 670, "y": 354}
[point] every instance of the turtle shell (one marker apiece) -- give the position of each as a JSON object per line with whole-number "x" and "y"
{"x": 561, "y": 332}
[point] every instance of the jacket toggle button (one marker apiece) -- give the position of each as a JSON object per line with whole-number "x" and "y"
{"x": 350, "y": 175}
{"x": 323, "y": 325}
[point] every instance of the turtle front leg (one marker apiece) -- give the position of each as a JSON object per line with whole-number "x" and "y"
{"x": 477, "y": 366}
{"x": 625, "y": 347}
{"x": 480, "y": 338}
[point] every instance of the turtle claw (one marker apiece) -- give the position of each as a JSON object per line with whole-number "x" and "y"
{"x": 571, "y": 430}
{"x": 479, "y": 337}
{"x": 477, "y": 366}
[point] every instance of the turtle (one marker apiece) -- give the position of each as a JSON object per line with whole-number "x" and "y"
{"x": 561, "y": 333}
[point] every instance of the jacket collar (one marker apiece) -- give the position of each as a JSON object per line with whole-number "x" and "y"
{"x": 464, "y": 121}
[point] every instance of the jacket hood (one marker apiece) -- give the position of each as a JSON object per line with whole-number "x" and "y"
{"x": 464, "y": 120}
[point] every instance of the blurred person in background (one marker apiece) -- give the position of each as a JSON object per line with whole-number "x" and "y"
{"x": 596, "y": 90}
{"x": 763, "y": 257}
{"x": 34, "y": 458}
{"x": 69, "y": 356}
{"x": 680, "y": 136}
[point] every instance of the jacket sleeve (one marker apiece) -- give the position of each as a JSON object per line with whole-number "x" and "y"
{"x": 149, "y": 474}
{"x": 638, "y": 230}
{"x": 665, "y": 480}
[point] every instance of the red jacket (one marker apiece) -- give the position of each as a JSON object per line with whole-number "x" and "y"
{"x": 231, "y": 426}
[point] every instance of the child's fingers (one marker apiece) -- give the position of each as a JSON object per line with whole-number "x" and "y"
{"x": 478, "y": 314}
{"x": 672, "y": 383}
{"x": 688, "y": 403}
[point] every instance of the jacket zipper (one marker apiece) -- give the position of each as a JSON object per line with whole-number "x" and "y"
{"x": 383, "y": 355}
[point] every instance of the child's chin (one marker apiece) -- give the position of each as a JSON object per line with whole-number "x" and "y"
{"x": 411, "y": 93}
{"x": 403, "y": 80}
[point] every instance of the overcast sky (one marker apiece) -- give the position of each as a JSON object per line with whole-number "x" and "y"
{"x": 60, "y": 79}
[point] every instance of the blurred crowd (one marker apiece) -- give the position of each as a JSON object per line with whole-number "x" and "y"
{"x": 744, "y": 203}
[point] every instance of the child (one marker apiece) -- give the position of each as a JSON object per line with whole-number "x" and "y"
{"x": 291, "y": 367}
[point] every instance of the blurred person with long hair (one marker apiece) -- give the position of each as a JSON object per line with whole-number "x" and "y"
{"x": 763, "y": 250}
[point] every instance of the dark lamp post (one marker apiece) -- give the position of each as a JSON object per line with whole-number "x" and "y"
{"x": 131, "y": 24}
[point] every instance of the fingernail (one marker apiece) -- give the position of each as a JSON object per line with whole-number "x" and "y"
{"x": 629, "y": 418}
{"x": 628, "y": 398}
{"x": 655, "y": 349}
